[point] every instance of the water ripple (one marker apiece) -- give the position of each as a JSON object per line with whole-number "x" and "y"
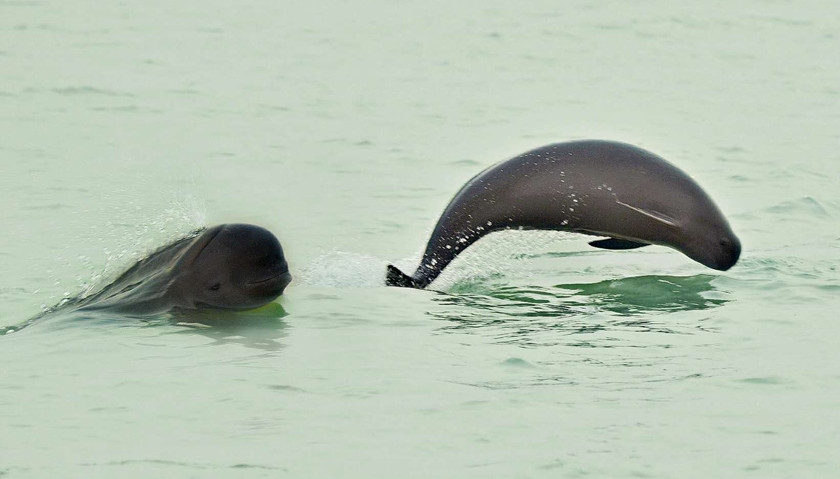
{"x": 535, "y": 315}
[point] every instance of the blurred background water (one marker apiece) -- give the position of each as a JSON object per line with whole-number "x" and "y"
{"x": 345, "y": 128}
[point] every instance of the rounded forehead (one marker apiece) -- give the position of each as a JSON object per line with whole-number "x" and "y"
{"x": 247, "y": 236}
{"x": 231, "y": 247}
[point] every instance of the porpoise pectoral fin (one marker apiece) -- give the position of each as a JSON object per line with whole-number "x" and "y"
{"x": 615, "y": 243}
{"x": 656, "y": 215}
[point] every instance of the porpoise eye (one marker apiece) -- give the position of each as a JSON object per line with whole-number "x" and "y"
{"x": 215, "y": 287}
{"x": 724, "y": 242}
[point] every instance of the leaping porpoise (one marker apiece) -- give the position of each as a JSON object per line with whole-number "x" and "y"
{"x": 602, "y": 188}
{"x": 230, "y": 266}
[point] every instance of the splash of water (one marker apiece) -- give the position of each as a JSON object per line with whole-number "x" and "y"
{"x": 184, "y": 214}
{"x": 338, "y": 269}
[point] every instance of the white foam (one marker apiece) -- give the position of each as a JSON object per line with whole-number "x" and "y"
{"x": 339, "y": 269}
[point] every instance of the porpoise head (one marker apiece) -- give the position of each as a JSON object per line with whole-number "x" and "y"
{"x": 233, "y": 266}
{"x": 703, "y": 234}
{"x": 690, "y": 223}
{"x": 712, "y": 243}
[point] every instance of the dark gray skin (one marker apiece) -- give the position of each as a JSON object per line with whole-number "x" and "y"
{"x": 230, "y": 266}
{"x": 601, "y": 188}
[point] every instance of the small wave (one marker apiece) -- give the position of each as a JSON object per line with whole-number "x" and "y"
{"x": 465, "y": 162}
{"x": 806, "y": 206}
{"x": 89, "y": 90}
{"x": 631, "y": 296}
{"x": 181, "y": 464}
{"x": 538, "y": 315}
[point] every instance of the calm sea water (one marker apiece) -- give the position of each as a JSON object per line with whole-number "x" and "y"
{"x": 345, "y": 129}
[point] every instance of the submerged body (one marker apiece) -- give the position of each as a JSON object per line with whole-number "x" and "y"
{"x": 231, "y": 266}
{"x": 599, "y": 188}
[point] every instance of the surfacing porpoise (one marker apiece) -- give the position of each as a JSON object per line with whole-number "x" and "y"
{"x": 602, "y": 188}
{"x": 229, "y": 266}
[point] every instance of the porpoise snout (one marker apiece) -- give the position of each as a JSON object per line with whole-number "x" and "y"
{"x": 730, "y": 252}
{"x": 272, "y": 276}
{"x": 271, "y": 286}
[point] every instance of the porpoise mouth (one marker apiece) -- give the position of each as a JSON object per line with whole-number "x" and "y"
{"x": 284, "y": 276}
